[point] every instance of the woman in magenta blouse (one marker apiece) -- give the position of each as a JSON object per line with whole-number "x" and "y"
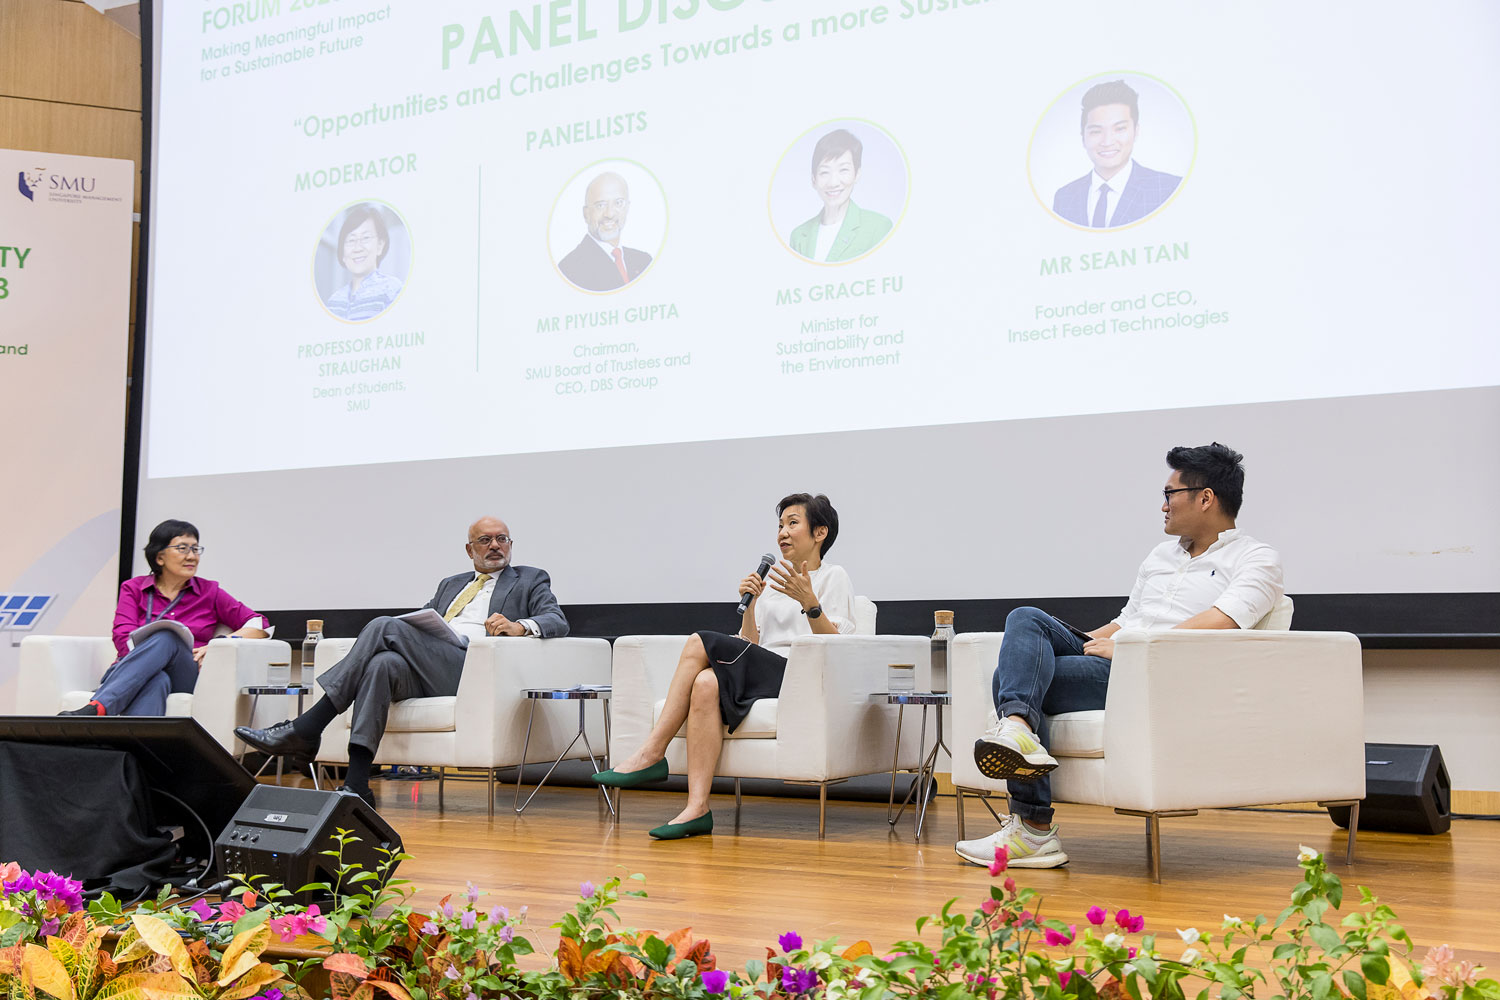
{"x": 140, "y": 680}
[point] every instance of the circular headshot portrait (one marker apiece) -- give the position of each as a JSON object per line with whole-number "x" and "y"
{"x": 1112, "y": 151}
{"x": 608, "y": 226}
{"x": 839, "y": 191}
{"x": 362, "y": 261}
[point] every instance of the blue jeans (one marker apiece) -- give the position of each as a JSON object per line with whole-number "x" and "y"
{"x": 138, "y": 683}
{"x": 1042, "y": 671}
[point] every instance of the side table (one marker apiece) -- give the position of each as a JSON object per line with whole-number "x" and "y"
{"x": 922, "y": 787}
{"x": 582, "y": 694}
{"x": 301, "y": 691}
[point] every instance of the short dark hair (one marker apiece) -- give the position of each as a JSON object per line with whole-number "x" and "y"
{"x": 1110, "y": 92}
{"x": 1216, "y": 466}
{"x": 161, "y": 537}
{"x": 358, "y": 216}
{"x": 836, "y": 144}
{"x": 820, "y": 514}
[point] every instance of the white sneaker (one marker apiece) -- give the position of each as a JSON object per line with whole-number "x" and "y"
{"x": 1009, "y": 750}
{"x": 1026, "y": 849}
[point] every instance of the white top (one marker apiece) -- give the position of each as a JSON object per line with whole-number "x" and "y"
{"x": 826, "y": 236}
{"x": 469, "y": 622}
{"x": 780, "y": 619}
{"x": 1236, "y": 574}
{"x": 1116, "y": 185}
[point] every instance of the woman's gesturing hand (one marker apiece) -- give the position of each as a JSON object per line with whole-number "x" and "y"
{"x": 794, "y": 583}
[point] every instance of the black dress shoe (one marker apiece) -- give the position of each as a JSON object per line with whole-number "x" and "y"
{"x": 280, "y": 740}
{"x": 365, "y": 793}
{"x": 91, "y": 710}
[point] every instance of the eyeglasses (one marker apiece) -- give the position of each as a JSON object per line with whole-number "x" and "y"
{"x": 483, "y": 541}
{"x": 359, "y": 242}
{"x": 193, "y": 550}
{"x": 617, "y": 204}
{"x": 1166, "y": 495}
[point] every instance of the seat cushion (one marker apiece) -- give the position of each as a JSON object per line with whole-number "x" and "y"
{"x": 1076, "y": 734}
{"x": 415, "y": 715}
{"x": 180, "y": 705}
{"x": 759, "y": 724}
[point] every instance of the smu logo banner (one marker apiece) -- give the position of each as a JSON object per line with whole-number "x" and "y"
{"x": 21, "y": 612}
{"x": 28, "y": 182}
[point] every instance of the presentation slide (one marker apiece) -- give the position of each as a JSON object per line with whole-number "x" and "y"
{"x": 398, "y": 231}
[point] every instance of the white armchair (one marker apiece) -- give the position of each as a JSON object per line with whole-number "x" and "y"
{"x": 1193, "y": 719}
{"x": 60, "y": 672}
{"x": 484, "y": 726}
{"x": 823, "y": 729}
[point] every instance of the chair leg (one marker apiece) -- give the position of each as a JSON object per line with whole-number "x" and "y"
{"x": 1353, "y": 828}
{"x": 822, "y": 808}
{"x": 737, "y": 798}
{"x": 959, "y": 794}
{"x": 442, "y": 774}
{"x": 1153, "y": 846}
{"x": 489, "y": 791}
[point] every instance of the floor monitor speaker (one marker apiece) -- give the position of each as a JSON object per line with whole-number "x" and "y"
{"x": 1406, "y": 790}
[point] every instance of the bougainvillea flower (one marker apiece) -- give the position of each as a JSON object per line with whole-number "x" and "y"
{"x": 1002, "y": 859}
{"x": 1096, "y": 915}
{"x": 468, "y": 920}
{"x": 451, "y": 973}
{"x": 989, "y": 906}
{"x": 795, "y": 980}
{"x": 790, "y": 941}
{"x": 587, "y": 890}
{"x": 201, "y": 910}
{"x": 499, "y": 914}
{"x": 1056, "y": 938}
{"x": 1129, "y": 924}
{"x": 1063, "y": 977}
{"x": 230, "y": 912}
{"x": 1189, "y": 936}
{"x": 473, "y": 893}
{"x": 715, "y": 981}
{"x": 1010, "y": 886}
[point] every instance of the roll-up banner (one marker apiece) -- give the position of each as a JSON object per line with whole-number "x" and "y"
{"x": 65, "y": 229}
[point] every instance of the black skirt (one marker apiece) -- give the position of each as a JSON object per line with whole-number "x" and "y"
{"x": 746, "y": 673}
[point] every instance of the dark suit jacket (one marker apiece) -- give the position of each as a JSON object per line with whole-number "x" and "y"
{"x": 587, "y": 266}
{"x": 520, "y": 592}
{"x": 1147, "y": 191}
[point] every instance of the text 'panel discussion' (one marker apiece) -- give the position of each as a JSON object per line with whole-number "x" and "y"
{"x": 1008, "y": 488}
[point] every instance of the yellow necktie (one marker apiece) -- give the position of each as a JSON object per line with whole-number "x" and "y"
{"x": 465, "y": 596}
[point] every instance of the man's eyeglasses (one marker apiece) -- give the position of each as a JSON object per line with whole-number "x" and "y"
{"x": 617, "y": 204}
{"x": 187, "y": 550}
{"x": 1166, "y": 495}
{"x": 483, "y": 541}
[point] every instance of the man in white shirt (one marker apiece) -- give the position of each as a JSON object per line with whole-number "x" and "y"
{"x": 1209, "y": 576}
{"x": 394, "y": 660}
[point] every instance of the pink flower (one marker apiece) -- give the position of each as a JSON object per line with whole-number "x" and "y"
{"x": 1128, "y": 923}
{"x": 294, "y": 925}
{"x": 1002, "y": 859}
{"x": 230, "y": 912}
{"x": 1130, "y": 952}
{"x": 989, "y": 906}
{"x": 498, "y": 914}
{"x": 9, "y": 872}
{"x": 1063, "y": 977}
{"x": 1096, "y": 915}
{"x": 1055, "y": 939}
{"x": 468, "y": 920}
{"x": 1027, "y": 916}
{"x": 284, "y": 929}
{"x": 316, "y": 922}
{"x": 1439, "y": 965}
{"x": 507, "y": 934}
{"x": 587, "y": 889}
{"x": 473, "y": 893}
{"x": 429, "y": 928}
{"x": 201, "y": 910}
{"x": 1010, "y": 886}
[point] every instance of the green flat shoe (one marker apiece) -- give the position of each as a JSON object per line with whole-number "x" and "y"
{"x": 692, "y": 828}
{"x": 630, "y": 779}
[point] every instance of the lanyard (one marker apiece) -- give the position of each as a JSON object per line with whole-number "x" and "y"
{"x": 151, "y": 605}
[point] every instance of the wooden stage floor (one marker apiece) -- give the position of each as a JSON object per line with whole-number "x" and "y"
{"x": 865, "y": 880}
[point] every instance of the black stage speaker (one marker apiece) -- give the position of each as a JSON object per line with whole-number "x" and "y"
{"x": 281, "y": 833}
{"x": 1406, "y": 790}
{"x": 190, "y": 780}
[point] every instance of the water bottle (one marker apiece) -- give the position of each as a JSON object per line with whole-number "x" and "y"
{"x": 310, "y": 649}
{"x": 942, "y": 636}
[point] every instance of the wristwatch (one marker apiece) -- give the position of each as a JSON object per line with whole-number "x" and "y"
{"x": 816, "y": 611}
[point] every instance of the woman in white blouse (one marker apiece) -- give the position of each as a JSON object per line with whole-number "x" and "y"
{"x": 719, "y": 676}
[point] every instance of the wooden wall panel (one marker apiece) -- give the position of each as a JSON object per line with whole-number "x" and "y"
{"x": 70, "y": 128}
{"x": 65, "y": 51}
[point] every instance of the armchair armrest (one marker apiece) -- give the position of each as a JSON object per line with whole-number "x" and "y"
{"x": 1208, "y": 718}
{"x": 52, "y": 665}
{"x": 827, "y": 725}
{"x": 229, "y": 665}
{"x": 491, "y": 712}
{"x": 971, "y": 669}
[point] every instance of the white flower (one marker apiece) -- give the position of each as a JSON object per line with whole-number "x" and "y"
{"x": 1190, "y": 956}
{"x": 1305, "y": 854}
{"x": 819, "y": 960}
{"x": 1113, "y": 941}
{"x": 1188, "y": 936}
{"x": 834, "y": 990}
{"x": 1232, "y": 921}
{"x": 1128, "y": 968}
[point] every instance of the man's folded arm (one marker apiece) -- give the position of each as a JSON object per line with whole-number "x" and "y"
{"x": 542, "y": 609}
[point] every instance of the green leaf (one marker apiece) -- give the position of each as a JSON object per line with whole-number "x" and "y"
{"x": 1322, "y": 985}
{"x": 1376, "y": 968}
{"x": 754, "y": 969}
{"x": 1326, "y": 937}
{"x": 1283, "y": 951}
{"x": 1355, "y": 984}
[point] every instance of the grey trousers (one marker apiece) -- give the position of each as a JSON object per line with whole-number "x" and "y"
{"x": 390, "y": 661}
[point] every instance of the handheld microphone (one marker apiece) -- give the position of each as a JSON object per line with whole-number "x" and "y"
{"x": 766, "y": 562}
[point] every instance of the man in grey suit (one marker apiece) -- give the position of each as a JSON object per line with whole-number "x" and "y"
{"x": 393, "y": 660}
{"x": 1119, "y": 190}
